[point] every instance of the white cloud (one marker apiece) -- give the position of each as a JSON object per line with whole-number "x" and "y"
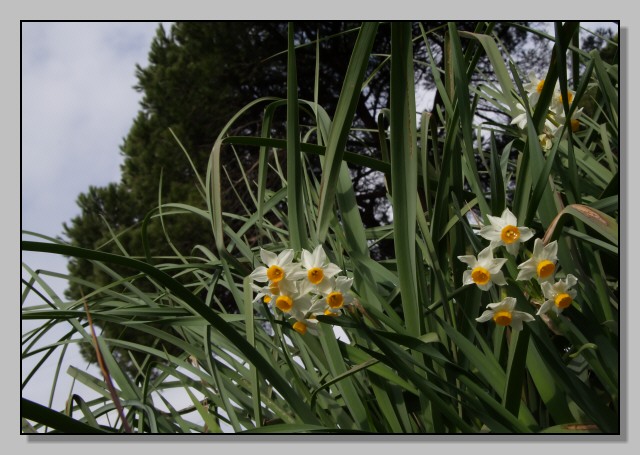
{"x": 77, "y": 106}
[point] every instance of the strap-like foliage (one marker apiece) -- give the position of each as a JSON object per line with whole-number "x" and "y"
{"x": 495, "y": 311}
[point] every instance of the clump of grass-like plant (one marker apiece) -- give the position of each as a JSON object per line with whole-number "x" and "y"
{"x": 495, "y": 315}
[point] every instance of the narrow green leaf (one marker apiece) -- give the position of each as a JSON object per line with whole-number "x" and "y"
{"x": 346, "y": 386}
{"x": 516, "y": 370}
{"x": 497, "y": 61}
{"x": 547, "y": 386}
{"x": 342, "y": 122}
{"x": 56, "y": 420}
{"x": 404, "y": 170}
{"x": 295, "y": 201}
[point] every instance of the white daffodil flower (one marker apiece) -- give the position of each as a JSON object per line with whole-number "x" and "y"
{"x": 503, "y": 313}
{"x": 483, "y": 271}
{"x": 301, "y": 311}
{"x": 294, "y": 300}
{"x": 548, "y": 135}
{"x": 301, "y": 291}
{"x": 546, "y": 141}
{"x": 304, "y": 326}
{"x": 559, "y": 295}
{"x": 335, "y": 296}
{"x": 574, "y": 121}
{"x": 504, "y": 230}
{"x": 275, "y": 268}
{"x": 533, "y": 88}
{"x": 520, "y": 119}
{"x": 272, "y": 290}
{"x": 557, "y": 105}
{"x": 542, "y": 263}
{"x": 317, "y": 268}
{"x": 305, "y": 317}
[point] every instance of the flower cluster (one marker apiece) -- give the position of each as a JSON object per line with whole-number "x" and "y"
{"x": 485, "y": 271}
{"x": 555, "y": 117}
{"x": 302, "y": 290}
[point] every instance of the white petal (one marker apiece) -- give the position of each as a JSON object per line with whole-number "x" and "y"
{"x": 496, "y": 243}
{"x": 546, "y": 306}
{"x": 305, "y": 287}
{"x": 523, "y": 316}
{"x": 484, "y": 317}
{"x": 550, "y": 128}
{"x": 490, "y": 233}
{"x": 466, "y": 277}
{"x": 343, "y": 283}
{"x": 498, "y": 278}
{"x": 485, "y": 255}
{"x": 303, "y": 303}
{"x": 497, "y": 222}
{"x": 296, "y": 314}
{"x": 331, "y": 269}
{"x": 516, "y": 324}
{"x": 509, "y": 303}
{"x": 571, "y": 280}
{"x": 319, "y": 256}
{"x": 525, "y": 233}
{"x": 268, "y": 257}
{"x": 287, "y": 286}
{"x": 485, "y": 287}
{"x": 259, "y": 274}
{"x": 548, "y": 290}
{"x": 509, "y": 218}
{"x": 530, "y": 263}
{"x": 522, "y": 124}
{"x": 519, "y": 120}
{"x": 285, "y": 257}
{"x": 318, "y": 307}
{"x": 497, "y": 306}
{"x": 538, "y": 247}
{"x": 468, "y": 259}
{"x": 512, "y": 248}
{"x": 292, "y": 268}
{"x": 552, "y": 249}
{"x": 325, "y": 286}
{"x": 526, "y": 273}
{"x": 495, "y": 265}
{"x": 296, "y": 274}
{"x": 307, "y": 259}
